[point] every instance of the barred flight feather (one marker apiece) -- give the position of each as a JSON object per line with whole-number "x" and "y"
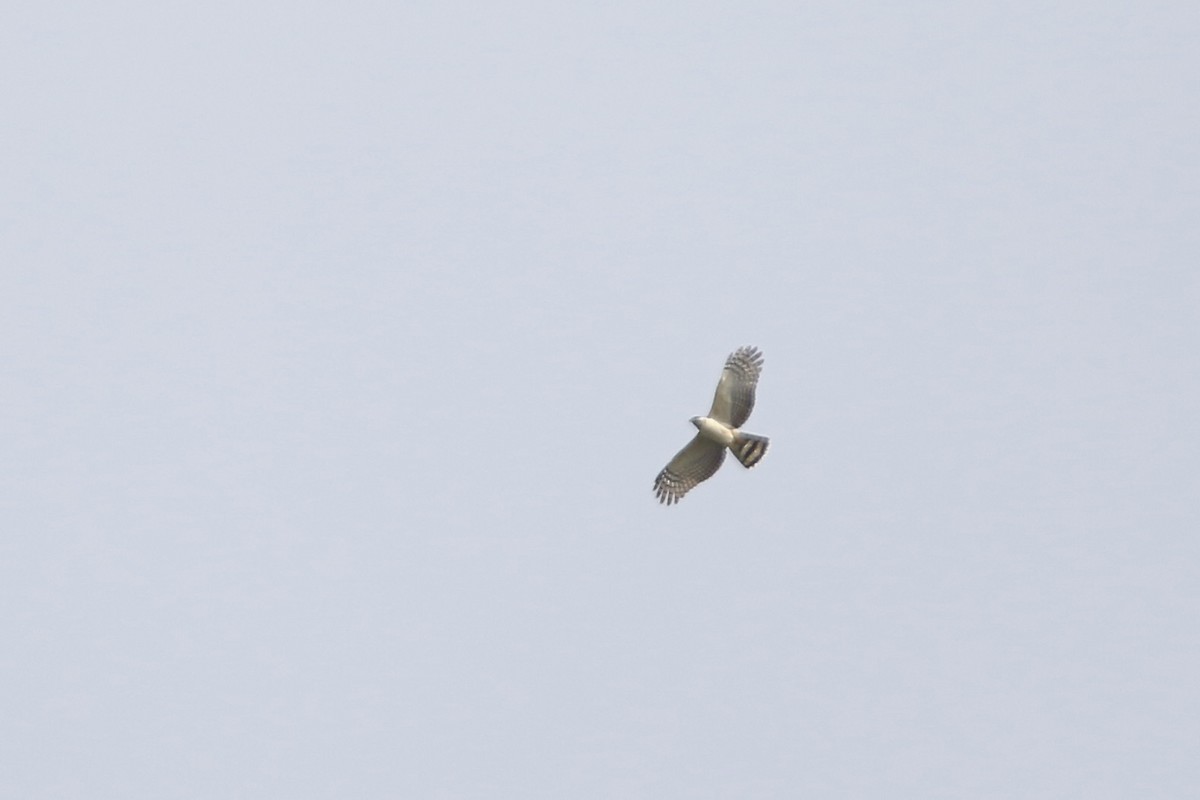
{"x": 749, "y": 448}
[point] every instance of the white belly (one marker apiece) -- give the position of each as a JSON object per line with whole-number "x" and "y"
{"x": 711, "y": 429}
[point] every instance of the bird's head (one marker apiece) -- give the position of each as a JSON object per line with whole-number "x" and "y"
{"x": 696, "y": 421}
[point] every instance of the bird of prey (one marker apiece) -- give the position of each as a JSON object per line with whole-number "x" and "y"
{"x": 719, "y": 430}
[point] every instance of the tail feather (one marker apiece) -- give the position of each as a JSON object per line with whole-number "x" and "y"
{"x": 749, "y": 448}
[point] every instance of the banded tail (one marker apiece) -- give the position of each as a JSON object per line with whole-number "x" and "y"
{"x": 749, "y": 448}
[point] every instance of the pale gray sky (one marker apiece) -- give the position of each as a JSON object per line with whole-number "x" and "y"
{"x": 342, "y": 343}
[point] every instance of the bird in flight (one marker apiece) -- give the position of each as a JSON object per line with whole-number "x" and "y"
{"x": 721, "y": 429}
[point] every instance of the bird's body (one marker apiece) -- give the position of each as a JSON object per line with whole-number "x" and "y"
{"x": 714, "y": 431}
{"x": 721, "y": 429}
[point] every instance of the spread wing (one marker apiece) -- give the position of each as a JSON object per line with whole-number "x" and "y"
{"x": 696, "y": 462}
{"x": 735, "y": 391}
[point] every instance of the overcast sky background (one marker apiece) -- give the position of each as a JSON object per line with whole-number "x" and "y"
{"x": 342, "y": 343}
